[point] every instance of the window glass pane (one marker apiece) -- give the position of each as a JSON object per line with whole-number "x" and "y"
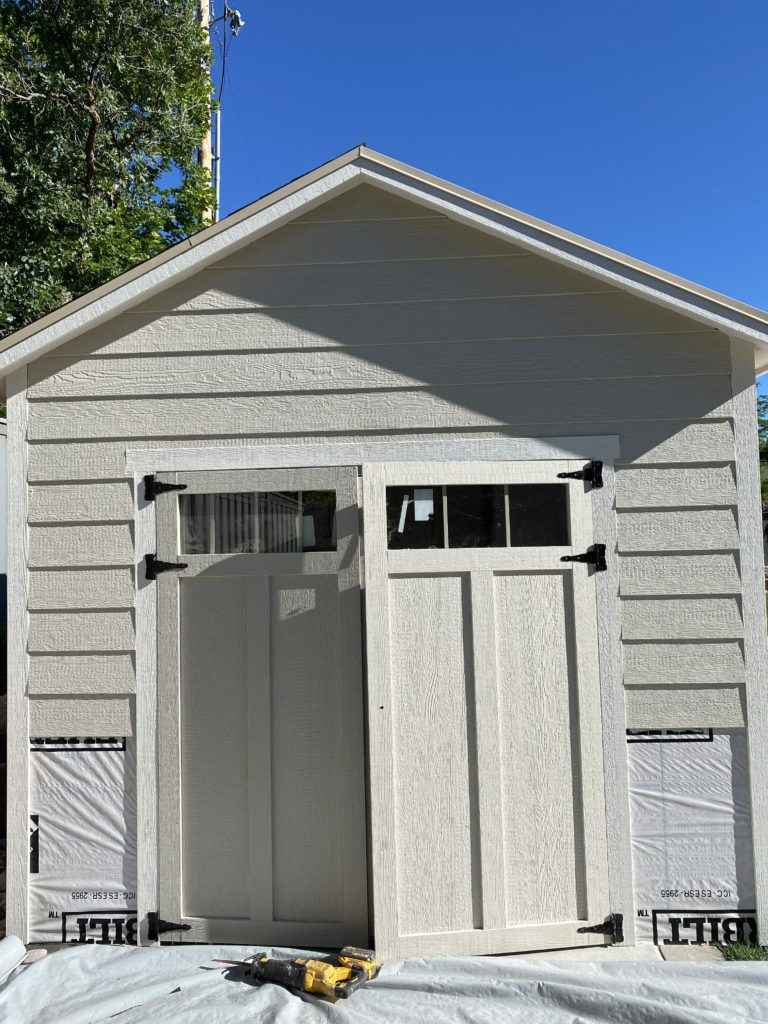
{"x": 414, "y": 517}
{"x": 538, "y": 515}
{"x": 195, "y": 520}
{"x": 476, "y": 516}
{"x": 269, "y": 522}
{"x": 318, "y": 520}
{"x": 277, "y": 523}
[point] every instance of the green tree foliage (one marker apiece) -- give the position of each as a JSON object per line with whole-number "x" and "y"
{"x": 102, "y": 105}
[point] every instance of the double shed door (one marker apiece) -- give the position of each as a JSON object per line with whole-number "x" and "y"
{"x": 260, "y": 709}
{"x": 487, "y": 816}
{"x": 486, "y": 777}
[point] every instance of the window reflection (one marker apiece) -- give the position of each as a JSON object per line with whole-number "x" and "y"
{"x": 478, "y": 515}
{"x": 257, "y": 522}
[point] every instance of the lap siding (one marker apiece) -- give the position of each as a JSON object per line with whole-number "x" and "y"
{"x": 373, "y": 317}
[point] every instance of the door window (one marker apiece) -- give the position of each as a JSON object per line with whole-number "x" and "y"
{"x": 257, "y": 522}
{"x": 478, "y": 516}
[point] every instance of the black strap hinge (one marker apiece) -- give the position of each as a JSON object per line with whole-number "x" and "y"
{"x": 612, "y": 926}
{"x": 594, "y": 555}
{"x": 153, "y": 566}
{"x": 591, "y": 474}
{"x": 156, "y": 926}
{"x": 153, "y": 487}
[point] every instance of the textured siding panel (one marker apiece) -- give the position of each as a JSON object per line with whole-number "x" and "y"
{"x": 690, "y": 442}
{"x": 372, "y": 367}
{"x": 679, "y": 663}
{"x": 81, "y": 674}
{"x": 70, "y": 546}
{"x": 80, "y": 716}
{"x": 675, "y": 487}
{"x": 689, "y": 530}
{"x": 681, "y": 618}
{"x": 72, "y": 588}
{"x": 81, "y": 631}
{"x": 365, "y": 202}
{"x": 401, "y": 281}
{"x": 433, "y": 408}
{"x": 555, "y": 316}
{"x": 81, "y": 503}
{"x": 685, "y": 708}
{"x": 422, "y": 238}
{"x": 664, "y": 575}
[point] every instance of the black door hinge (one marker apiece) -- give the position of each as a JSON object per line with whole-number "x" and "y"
{"x": 591, "y": 474}
{"x": 612, "y": 926}
{"x": 594, "y": 555}
{"x": 153, "y": 566}
{"x": 153, "y": 487}
{"x": 156, "y": 926}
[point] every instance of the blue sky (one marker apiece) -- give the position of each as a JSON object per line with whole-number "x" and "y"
{"x": 641, "y": 125}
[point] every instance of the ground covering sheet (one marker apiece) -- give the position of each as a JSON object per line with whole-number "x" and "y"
{"x": 90, "y": 984}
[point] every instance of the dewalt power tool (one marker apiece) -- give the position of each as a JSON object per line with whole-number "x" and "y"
{"x": 331, "y": 977}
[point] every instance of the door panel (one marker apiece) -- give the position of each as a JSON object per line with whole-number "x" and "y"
{"x": 537, "y": 709}
{"x": 436, "y": 809}
{"x": 488, "y": 820}
{"x": 260, "y": 709}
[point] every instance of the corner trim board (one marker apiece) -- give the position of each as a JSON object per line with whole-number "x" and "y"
{"x": 753, "y": 610}
{"x": 17, "y": 866}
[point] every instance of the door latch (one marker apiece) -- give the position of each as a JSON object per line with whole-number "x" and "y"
{"x": 156, "y": 926}
{"x": 154, "y": 566}
{"x": 612, "y": 926}
{"x": 153, "y": 487}
{"x": 591, "y": 474}
{"x": 594, "y": 555}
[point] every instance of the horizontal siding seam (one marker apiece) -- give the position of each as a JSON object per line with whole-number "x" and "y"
{"x": 221, "y": 268}
{"x": 389, "y": 302}
{"x": 303, "y": 221}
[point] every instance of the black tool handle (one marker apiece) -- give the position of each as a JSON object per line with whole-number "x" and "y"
{"x": 280, "y": 972}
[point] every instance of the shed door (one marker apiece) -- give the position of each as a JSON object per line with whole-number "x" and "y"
{"x": 487, "y": 804}
{"x": 260, "y": 709}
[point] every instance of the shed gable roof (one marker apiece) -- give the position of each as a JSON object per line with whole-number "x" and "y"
{"x": 362, "y": 165}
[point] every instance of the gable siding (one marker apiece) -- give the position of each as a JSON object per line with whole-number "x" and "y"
{"x": 374, "y": 316}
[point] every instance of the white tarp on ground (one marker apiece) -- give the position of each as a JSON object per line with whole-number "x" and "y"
{"x": 93, "y": 984}
{"x": 692, "y": 836}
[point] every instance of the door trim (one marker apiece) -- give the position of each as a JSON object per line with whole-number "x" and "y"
{"x": 141, "y": 461}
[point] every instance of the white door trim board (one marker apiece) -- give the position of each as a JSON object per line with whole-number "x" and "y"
{"x": 147, "y": 883}
{"x": 527, "y": 449}
{"x": 141, "y": 461}
{"x": 611, "y": 659}
{"x": 753, "y": 611}
{"x": 17, "y": 866}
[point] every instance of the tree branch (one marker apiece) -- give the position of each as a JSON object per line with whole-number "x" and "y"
{"x": 90, "y": 142}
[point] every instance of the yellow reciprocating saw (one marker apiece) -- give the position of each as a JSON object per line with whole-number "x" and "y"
{"x": 332, "y": 977}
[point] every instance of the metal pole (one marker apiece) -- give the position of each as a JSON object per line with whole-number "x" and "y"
{"x": 217, "y": 158}
{"x": 205, "y": 153}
